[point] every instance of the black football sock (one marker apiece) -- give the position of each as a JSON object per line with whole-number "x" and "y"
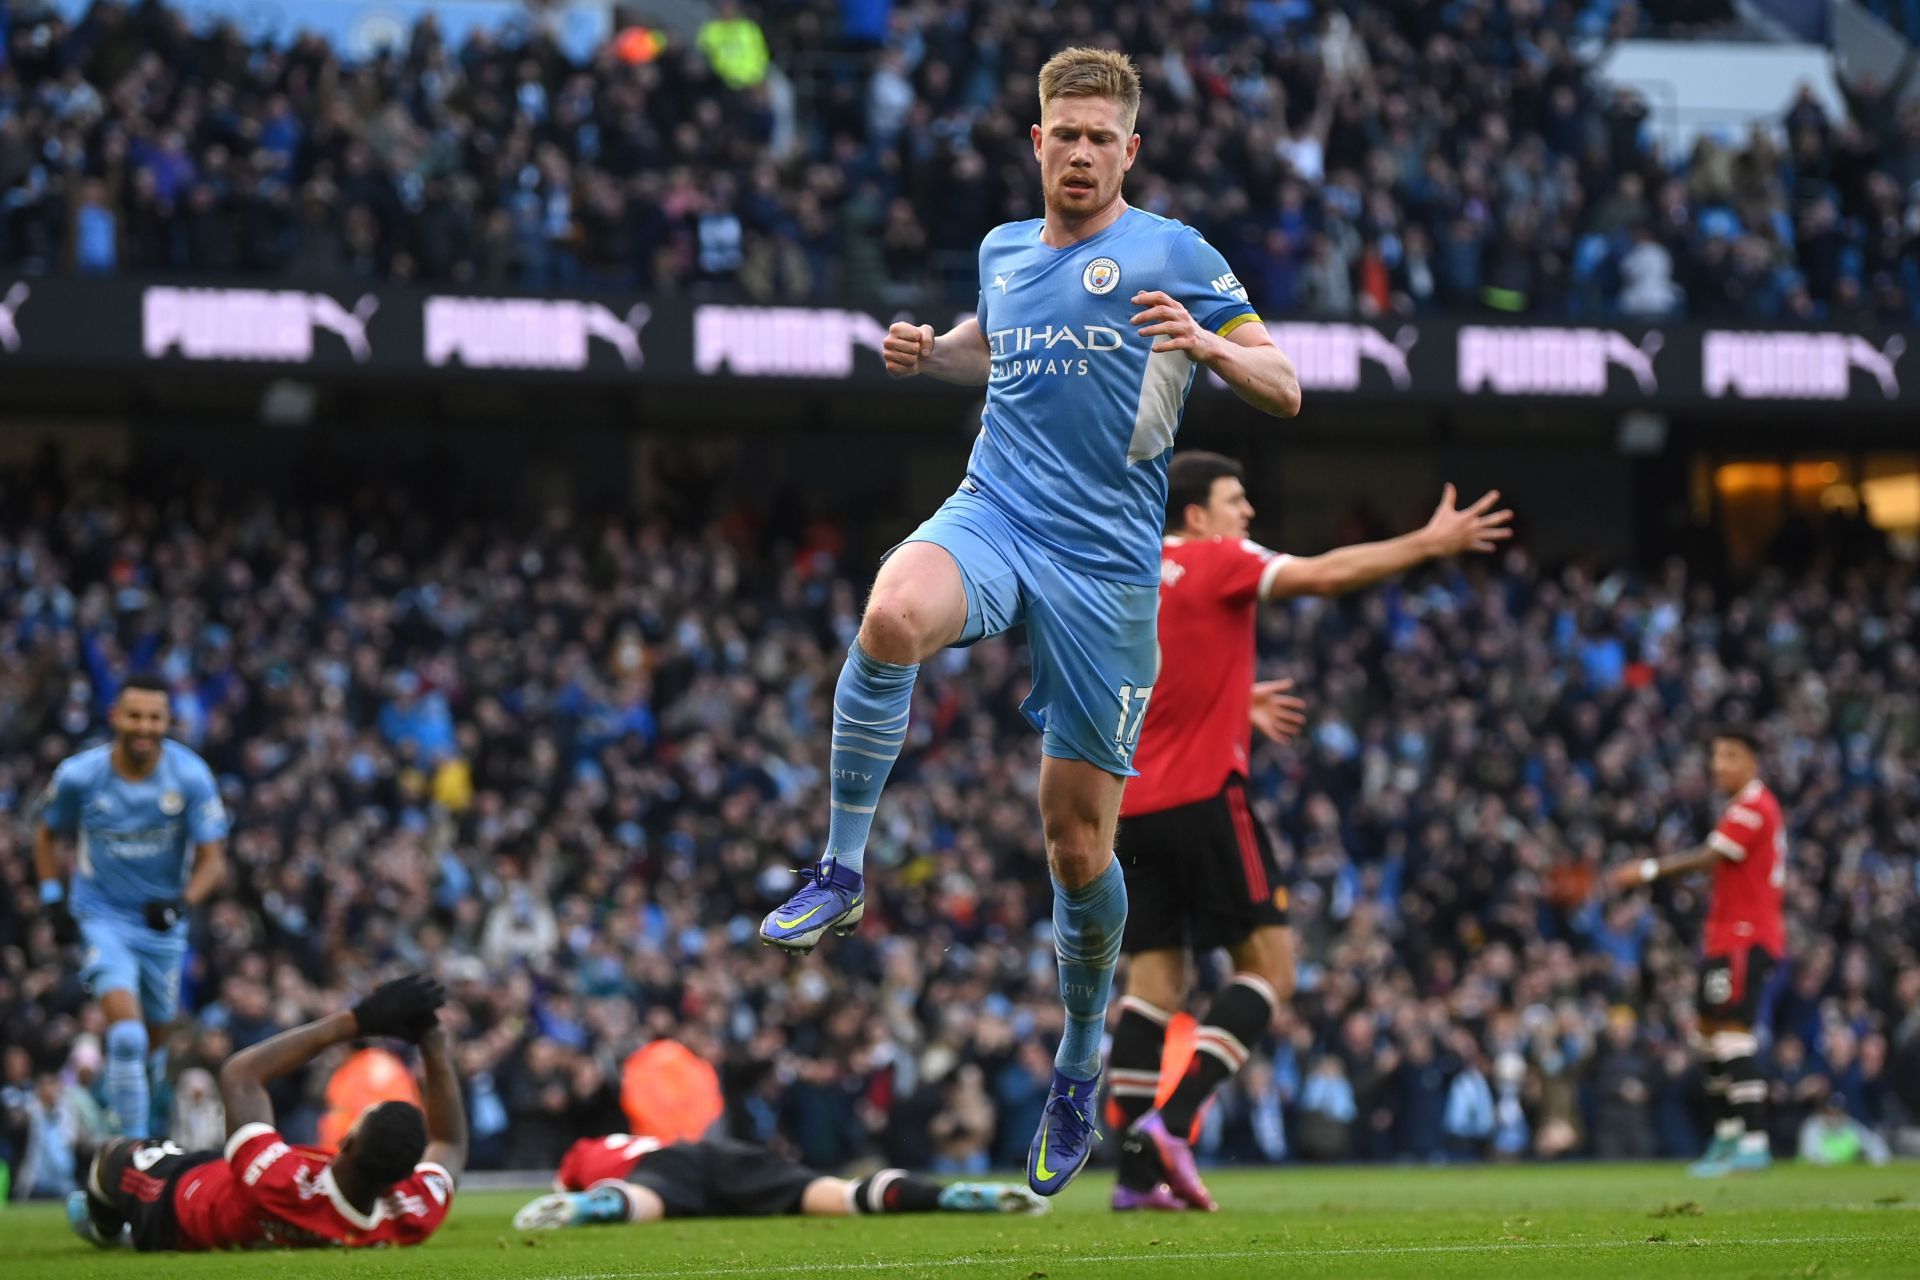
{"x": 1133, "y": 1066}
{"x": 1133, "y": 1070}
{"x": 1719, "y": 1110}
{"x": 1738, "y": 1052}
{"x": 1747, "y": 1096}
{"x": 1238, "y": 1017}
{"x": 895, "y": 1191}
{"x": 1736, "y": 1061}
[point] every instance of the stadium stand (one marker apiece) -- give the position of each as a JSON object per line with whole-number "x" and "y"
{"x": 567, "y": 762}
{"x": 1407, "y": 159}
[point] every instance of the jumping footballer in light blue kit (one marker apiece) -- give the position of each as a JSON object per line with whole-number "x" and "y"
{"x": 143, "y": 812}
{"x": 1091, "y": 327}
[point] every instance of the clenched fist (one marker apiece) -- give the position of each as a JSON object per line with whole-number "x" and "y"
{"x": 907, "y": 349}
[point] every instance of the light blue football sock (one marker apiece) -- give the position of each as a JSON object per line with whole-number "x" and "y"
{"x": 871, "y": 706}
{"x": 127, "y": 1076}
{"x": 1087, "y": 923}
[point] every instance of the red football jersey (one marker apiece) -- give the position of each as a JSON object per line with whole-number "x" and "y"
{"x": 1198, "y": 724}
{"x": 592, "y": 1160}
{"x": 1747, "y": 882}
{"x": 269, "y": 1192}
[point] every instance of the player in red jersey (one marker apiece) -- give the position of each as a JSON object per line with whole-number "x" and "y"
{"x": 1746, "y": 936}
{"x": 391, "y": 1183}
{"x": 621, "y": 1178}
{"x": 1200, "y": 870}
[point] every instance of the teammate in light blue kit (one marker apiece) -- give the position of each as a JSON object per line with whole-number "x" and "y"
{"x": 136, "y": 807}
{"x": 1091, "y": 327}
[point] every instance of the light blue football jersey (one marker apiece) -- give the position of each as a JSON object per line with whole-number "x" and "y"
{"x": 1080, "y": 413}
{"x": 134, "y": 838}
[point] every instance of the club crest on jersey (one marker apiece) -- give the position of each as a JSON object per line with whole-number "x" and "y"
{"x": 1102, "y": 276}
{"x": 171, "y": 803}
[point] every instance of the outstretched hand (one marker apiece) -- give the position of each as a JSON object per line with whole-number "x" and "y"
{"x": 1625, "y": 878}
{"x": 1454, "y": 531}
{"x": 1276, "y": 713}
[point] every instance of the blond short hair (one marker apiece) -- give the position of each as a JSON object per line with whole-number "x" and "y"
{"x": 1092, "y": 73}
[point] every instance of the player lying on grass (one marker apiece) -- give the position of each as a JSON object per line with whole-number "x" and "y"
{"x": 391, "y": 1183}
{"x": 621, "y": 1178}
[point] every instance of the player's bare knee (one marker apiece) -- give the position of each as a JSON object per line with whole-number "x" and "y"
{"x": 1280, "y": 977}
{"x": 1280, "y": 973}
{"x": 827, "y": 1198}
{"x": 645, "y": 1204}
{"x": 1079, "y": 803}
{"x": 1162, "y": 996}
{"x": 1079, "y": 839}
{"x": 121, "y": 1006}
{"x": 1158, "y": 977}
{"x": 903, "y": 624}
{"x": 1268, "y": 955}
{"x": 918, "y": 605}
{"x": 894, "y": 630}
{"x": 1077, "y": 856}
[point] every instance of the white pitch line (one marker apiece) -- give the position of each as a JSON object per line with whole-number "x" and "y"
{"x": 1050, "y": 1260}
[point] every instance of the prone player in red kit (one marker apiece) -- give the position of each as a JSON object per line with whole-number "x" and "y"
{"x": 391, "y": 1183}
{"x": 625, "y": 1179}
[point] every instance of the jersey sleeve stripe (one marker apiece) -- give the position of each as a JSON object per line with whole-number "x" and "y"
{"x": 1744, "y": 816}
{"x": 247, "y": 1133}
{"x": 1268, "y": 574}
{"x": 1251, "y": 317}
{"x": 439, "y": 1182}
{"x": 1726, "y": 846}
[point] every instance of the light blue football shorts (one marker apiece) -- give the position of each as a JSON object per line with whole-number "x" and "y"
{"x": 122, "y": 955}
{"x": 1093, "y": 641}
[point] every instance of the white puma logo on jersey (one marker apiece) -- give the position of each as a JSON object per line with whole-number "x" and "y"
{"x": 1003, "y": 281}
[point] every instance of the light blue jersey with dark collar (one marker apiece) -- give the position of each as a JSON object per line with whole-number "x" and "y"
{"x": 1080, "y": 412}
{"x": 134, "y": 838}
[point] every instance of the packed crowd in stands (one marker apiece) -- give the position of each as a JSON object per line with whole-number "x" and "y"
{"x": 1902, "y": 15}
{"x": 568, "y": 763}
{"x": 1379, "y": 158}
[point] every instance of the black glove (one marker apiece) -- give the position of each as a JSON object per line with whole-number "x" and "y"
{"x": 404, "y": 1008}
{"x": 66, "y": 930}
{"x": 164, "y": 913}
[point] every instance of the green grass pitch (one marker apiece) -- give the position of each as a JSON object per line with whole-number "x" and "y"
{"x": 1567, "y": 1221}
